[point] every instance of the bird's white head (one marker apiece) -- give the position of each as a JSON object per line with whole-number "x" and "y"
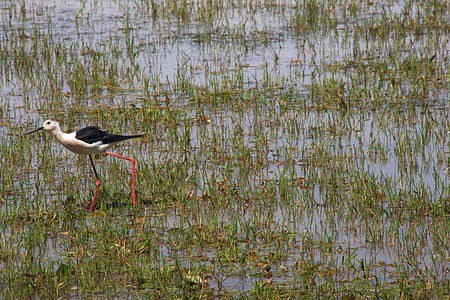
{"x": 49, "y": 125}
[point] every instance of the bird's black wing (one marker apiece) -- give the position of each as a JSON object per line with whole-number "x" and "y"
{"x": 92, "y": 134}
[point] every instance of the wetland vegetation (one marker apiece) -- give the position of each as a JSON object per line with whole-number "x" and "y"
{"x": 293, "y": 149}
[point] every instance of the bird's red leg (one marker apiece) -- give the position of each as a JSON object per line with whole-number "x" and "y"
{"x": 134, "y": 169}
{"x": 98, "y": 183}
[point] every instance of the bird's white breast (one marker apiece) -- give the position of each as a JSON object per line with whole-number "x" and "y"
{"x": 69, "y": 141}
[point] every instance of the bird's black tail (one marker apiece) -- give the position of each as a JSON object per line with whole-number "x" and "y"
{"x": 114, "y": 138}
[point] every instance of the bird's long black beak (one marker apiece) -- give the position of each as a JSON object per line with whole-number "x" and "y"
{"x": 40, "y": 128}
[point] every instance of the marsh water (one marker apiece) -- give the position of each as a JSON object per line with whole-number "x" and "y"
{"x": 327, "y": 150}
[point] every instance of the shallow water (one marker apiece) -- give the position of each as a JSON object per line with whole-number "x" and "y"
{"x": 177, "y": 59}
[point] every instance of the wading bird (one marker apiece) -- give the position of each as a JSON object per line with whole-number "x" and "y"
{"x": 87, "y": 141}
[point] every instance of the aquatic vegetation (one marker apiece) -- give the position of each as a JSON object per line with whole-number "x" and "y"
{"x": 292, "y": 149}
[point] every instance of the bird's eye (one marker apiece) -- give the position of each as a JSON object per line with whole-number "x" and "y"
{"x": 48, "y": 123}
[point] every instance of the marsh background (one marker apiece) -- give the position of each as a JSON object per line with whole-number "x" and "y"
{"x": 292, "y": 149}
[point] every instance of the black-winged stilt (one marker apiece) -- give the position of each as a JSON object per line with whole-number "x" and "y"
{"x": 87, "y": 141}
